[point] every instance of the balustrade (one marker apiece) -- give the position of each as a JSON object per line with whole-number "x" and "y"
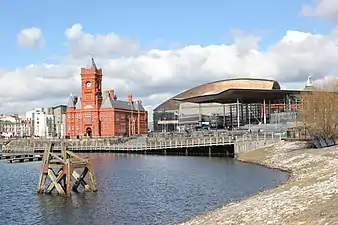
{"x": 172, "y": 144}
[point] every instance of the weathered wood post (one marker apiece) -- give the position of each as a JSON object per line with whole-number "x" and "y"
{"x": 61, "y": 169}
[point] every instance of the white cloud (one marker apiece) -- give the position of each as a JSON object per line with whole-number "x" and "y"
{"x": 82, "y": 44}
{"x": 154, "y": 75}
{"x": 326, "y": 9}
{"x": 30, "y": 37}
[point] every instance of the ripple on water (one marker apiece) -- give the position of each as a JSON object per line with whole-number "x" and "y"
{"x": 133, "y": 190}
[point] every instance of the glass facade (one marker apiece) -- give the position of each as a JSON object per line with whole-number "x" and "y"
{"x": 234, "y": 115}
{"x": 165, "y": 121}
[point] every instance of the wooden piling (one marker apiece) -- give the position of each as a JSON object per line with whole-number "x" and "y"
{"x": 63, "y": 171}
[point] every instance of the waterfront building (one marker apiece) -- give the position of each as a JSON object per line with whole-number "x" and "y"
{"x": 221, "y": 115}
{"x": 47, "y": 121}
{"x": 41, "y": 122}
{"x": 59, "y": 113}
{"x": 92, "y": 114}
{"x": 13, "y": 126}
{"x": 229, "y": 103}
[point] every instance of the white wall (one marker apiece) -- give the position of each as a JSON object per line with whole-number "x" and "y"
{"x": 40, "y": 125}
{"x": 39, "y": 117}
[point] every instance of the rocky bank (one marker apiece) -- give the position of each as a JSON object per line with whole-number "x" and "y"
{"x": 309, "y": 196}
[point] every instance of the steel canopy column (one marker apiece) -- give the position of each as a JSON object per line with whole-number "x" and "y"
{"x": 224, "y": 124}
{"x": 237, "y": 113}
{"x": 199, "y": 113}
{"x": 249, "y": 111}
{"x": 264, "y": 111}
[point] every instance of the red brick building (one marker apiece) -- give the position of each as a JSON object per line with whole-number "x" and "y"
{"x": 92, "y": 114}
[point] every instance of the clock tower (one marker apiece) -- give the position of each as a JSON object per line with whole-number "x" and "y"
{"x": 91, "y": 79}
{"x": 91, "y": 87}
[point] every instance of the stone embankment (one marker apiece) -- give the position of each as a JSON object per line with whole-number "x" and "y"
{"x": 309, "y": 196}
{"x": 25, "y": 145}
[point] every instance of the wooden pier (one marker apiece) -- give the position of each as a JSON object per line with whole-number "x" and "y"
{"x": 25, "y": 159}
{"x": 66, "y": 172}
{"x": 19, "y": 158}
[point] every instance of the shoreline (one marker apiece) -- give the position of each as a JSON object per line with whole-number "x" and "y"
{"x": 309, "y": 195}
{"x": 285, "y": 170}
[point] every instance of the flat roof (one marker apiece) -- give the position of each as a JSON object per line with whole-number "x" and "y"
{"x": 243, "y": 95}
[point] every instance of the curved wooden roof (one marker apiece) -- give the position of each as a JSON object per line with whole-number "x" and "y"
{"x": 219, "y": 86}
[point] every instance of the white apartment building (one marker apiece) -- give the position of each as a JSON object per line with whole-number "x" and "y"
{"x": 47, "y": 122}
{"x": 41, "y": 122}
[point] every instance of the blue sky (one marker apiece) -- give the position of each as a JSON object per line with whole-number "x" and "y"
{"x": 160, "y": 24}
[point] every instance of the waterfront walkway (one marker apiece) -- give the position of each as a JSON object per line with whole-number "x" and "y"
{"x": 234, "y": 144}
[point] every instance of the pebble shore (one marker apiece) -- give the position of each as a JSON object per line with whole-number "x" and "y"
{"x": 309, "y": 196}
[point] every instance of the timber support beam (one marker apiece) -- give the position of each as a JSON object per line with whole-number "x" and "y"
{"x": 65, "y": 172}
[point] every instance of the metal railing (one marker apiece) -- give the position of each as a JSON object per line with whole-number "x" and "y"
{"x": 168, "y": 144}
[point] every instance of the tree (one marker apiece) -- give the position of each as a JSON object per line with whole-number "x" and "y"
{"x": 319, "y": 111}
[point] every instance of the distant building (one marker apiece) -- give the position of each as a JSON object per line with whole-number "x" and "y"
{"x": 12, "y": 126}
{"x": 172, "y": 113}
{"x": 92, "y": 114}
{"x": 41, "y": 122}
{"x": 309, "y": 85}
{"x": 59, "y": 113}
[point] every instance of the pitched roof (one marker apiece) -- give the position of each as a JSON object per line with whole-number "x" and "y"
{"x": 70, "y": 101}
{"x": 138, "y": 106}
{"x": 78, "y": 104}
{"x": 108, "y": 102}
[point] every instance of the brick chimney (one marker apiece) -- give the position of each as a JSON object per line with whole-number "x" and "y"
{"x": 130, "y": 98}
{"x": 107, "y": 93}
{"x": 112, "y": 94}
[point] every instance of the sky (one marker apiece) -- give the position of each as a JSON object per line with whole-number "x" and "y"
{"x": 156, "y": 49}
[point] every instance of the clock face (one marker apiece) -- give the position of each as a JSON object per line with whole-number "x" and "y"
{"x": 89, "y": 84}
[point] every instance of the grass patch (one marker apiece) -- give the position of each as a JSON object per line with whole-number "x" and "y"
{"x": 258, "y": 155}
